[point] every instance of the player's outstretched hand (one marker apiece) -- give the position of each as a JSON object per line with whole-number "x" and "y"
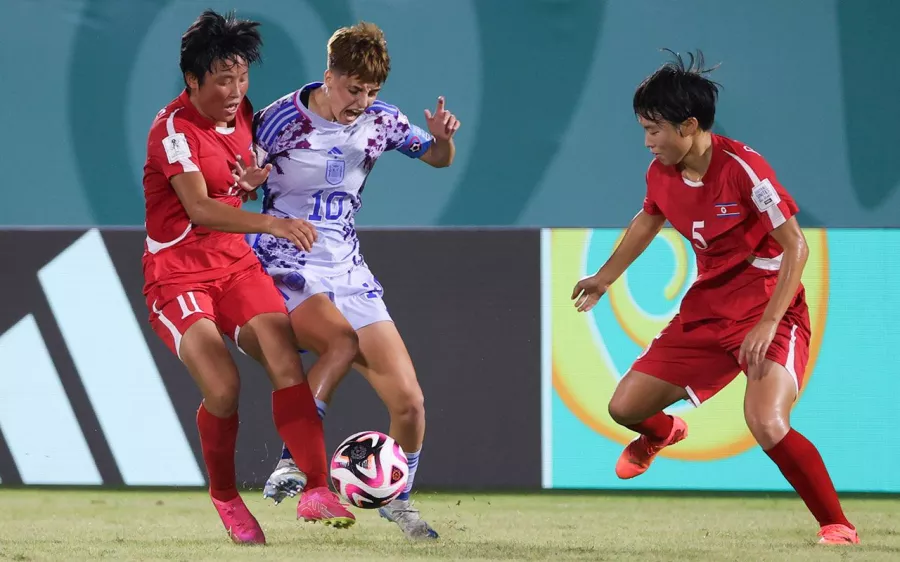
{"x": 249, "y": 177}
{"x": 757, "y": 342}
{"x": 301, "y": 233}
{"x": 588, "y": 291}
{"x": 443, "y": 124}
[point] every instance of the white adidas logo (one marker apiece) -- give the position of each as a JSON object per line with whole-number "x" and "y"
{"x": 117, "y": 370}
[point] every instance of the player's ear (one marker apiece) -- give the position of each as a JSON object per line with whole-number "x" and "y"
{"x": 192, "y": 82}
{"x": 330, "y": 77}
{"x": 688, "y": 127}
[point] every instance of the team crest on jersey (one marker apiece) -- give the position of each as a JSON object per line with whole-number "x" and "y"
{"x": 334, "y": 171}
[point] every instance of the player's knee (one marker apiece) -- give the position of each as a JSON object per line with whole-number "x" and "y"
{"x": 342, "y": 348}
{"x": 409, "y": 407}
{"x": 621, "y": 411}
{"x": 221, "y": 399}
{"x": 286, "y": 371}
{"x": 768, "y": 428}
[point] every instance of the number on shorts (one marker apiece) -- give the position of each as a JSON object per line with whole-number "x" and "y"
{"x": 188, "y": 308}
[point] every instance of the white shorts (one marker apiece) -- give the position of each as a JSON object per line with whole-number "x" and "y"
{"x": 357, "y": 294}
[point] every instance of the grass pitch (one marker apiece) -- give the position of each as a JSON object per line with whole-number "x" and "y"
{"x": 124, "y": 525}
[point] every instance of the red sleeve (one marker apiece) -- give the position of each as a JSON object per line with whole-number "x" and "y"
{"x": 172, "y": 147}
{"x": 761, "y": 192}
{"x": 650, "y": 206}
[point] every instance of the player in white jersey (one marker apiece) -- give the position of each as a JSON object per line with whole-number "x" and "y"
{"x": 322, "y": 142}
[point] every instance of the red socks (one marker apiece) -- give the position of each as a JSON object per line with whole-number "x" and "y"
{"x": 802, "y": 466}
{"x": 657, "y": 427}
{"x": 298, "y": 423}
{"x": 218, "y": 437}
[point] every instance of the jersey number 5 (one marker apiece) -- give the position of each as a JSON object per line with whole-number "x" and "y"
{"x": 698, "y": 239}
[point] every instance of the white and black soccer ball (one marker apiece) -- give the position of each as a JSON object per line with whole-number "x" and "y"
{"x": 369, "y": 469}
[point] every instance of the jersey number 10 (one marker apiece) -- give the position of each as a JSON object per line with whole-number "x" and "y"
{"x": 334, "y": 205}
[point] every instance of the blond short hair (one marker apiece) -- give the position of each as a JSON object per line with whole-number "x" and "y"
{"x": 361, "y": 51}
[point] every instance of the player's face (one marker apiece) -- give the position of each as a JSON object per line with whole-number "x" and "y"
{"x": 349, "y": 96}
{"x": 223, "y": 90}
{"x": 665, "y": 141}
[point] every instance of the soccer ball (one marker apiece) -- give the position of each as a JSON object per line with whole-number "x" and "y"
{"x": 369, "y": 469}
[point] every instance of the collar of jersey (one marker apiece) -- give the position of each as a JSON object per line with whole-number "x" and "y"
{"x": 317, "y": 120}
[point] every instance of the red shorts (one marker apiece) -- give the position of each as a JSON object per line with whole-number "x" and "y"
{"x": 230, "y": 302}
{"x": 702, "y": 357}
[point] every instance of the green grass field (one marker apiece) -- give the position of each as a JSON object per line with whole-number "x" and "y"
{"x": 89, "y": 525}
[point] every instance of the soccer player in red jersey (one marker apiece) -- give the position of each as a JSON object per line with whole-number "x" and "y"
{"x": 747, "y": 309}
{"x": 203, "y": 280}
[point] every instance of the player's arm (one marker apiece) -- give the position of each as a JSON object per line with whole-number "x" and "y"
{"x": 172, "y": 149}
{"x": 776, "y": 211}
{"x": 205, "y": 211}
{"x": 440, "y": 154}
{"x": 435, "y": 146}
{"x": 442, "y": 125}
{"x": 643, "y": 229}
{"x": 793, "y": 261}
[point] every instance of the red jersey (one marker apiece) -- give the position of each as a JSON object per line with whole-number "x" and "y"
{"x": 727, "y": 217}
{"x": 181, "y": 140}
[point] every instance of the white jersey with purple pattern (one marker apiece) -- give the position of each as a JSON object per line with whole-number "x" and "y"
{"x": 319, "y": 173}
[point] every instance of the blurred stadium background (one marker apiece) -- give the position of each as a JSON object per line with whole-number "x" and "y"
{"x": 477, "y": 260}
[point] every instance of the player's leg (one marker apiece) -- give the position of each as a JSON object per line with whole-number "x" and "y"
{"x": 638, "y": 403}
{"x": 253, "y": 310}
{"x": 385, "y": 363}
{"x": 678, "y": 364}
{"x": 187, "y": 325}
{"x": 771, "y": 391}
{"x": 319, "y": 327}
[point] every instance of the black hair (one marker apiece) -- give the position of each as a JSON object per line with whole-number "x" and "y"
{"x": 678, "y": 91}
{"x": 214, "y": 37}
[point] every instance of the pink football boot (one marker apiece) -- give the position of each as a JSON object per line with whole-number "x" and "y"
{"x": 323, "y": 505}
{"x": 637, "y": 456}
{"x": 242, "y": 527}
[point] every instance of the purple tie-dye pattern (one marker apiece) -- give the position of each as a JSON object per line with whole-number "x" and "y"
{"x": 390, "y": 134}
{"x": 273, "y": 159}
{"x": 278, "y": 252}
{"x": 374, "y": 148}
{"x": 294, "y": 135}
{"x": 260, "y": 118}
{"x": 400, "y": 131}
{"x": 372, "y": 135}
{"x": 348, "y": 231}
